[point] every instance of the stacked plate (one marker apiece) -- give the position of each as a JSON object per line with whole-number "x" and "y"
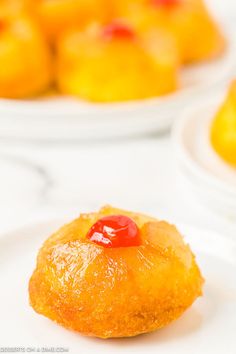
{"x": 211, "y": 178}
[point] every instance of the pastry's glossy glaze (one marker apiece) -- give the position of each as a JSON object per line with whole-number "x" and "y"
{"x": 114, "y": 292}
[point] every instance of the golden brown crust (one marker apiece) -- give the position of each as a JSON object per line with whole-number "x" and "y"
{"x": 114, "y": 292}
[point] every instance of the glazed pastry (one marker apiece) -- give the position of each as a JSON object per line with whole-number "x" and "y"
{"x": 58, "y": 15}
{"x": 114, "y": 63}
{"x": 25, "y": 59}
{"x": 115, "y": 273}
{"x": 223, "y": 130}
{"x": 197, "y": 35}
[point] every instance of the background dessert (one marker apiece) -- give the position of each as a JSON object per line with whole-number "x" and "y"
{"x": 96, "y": 62}
{"x": 189, "y": 22}
{"x": 25, "y": 59}
{"x": 116, "y": 63}
{"x": 59, "y": 15}
{"x": 223, "y": 129}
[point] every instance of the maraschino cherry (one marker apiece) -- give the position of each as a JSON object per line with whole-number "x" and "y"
{"x": 115, "y": 231}
{"x": 118, "y": 30}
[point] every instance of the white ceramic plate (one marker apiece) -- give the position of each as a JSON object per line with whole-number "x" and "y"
{"x": 69, "y": 119}
{"x": 207, "y": 327}
{"x": 211, "y": 178}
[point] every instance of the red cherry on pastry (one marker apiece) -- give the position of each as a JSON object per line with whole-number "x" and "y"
{"x": 115, "y": 231}
{"x": 165, "y": 3}
{"x": 118, "y": 30}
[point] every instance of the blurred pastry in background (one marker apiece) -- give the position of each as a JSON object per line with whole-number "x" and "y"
{"x": 223, "y": 130}
{"x": 8, "y": 7}
{"x": 25, "y": 59}
{"x": 197, "y": 35}
{"x": 104, "y": 50}
{"x": 115, "y": 273}
{"x": 115, "y": 63}
{"x": 58, "y": 15}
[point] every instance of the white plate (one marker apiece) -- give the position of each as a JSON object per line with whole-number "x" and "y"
{"x": 69, "y": 119}
{"x": 211, "y": 178}
{"x": 207, "y": 327}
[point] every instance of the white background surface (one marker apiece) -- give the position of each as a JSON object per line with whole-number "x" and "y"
{"x": 43, "y": 180}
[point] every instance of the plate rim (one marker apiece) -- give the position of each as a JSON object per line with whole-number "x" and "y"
{"x": 183, "y": 155}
